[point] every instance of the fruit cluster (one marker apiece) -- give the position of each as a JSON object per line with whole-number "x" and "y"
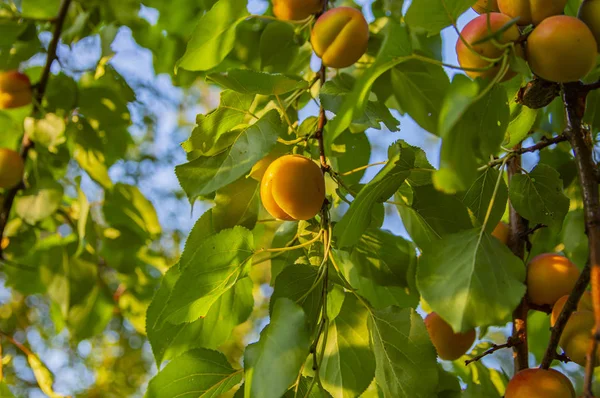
{"x": 560, "y": 48}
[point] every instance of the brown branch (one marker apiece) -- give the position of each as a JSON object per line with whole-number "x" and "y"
{"x": 589, "y": 87}
{"x": 321, "y": 124}
{"x": 546, "y": 309}
{"x": 40, "y": 90}
{"x": 544, "y": 142}
{"x": 495, "y": 347}
{"x": 516, "y": 243}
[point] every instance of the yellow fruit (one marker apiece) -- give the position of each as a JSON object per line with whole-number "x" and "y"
{"x": 531, "y": 11}
{"x": 539, "y": 383}
{"x": 483, "y": 6}
{"x": 478, "y": 29}
{"x": 259, "y": 169}
{"x": 296, "y": 9}
{"x": 340, "y": 37}
{"x": 449, "y": 345}
{"x": 585, "y": 304}
{"x": 15, "y": 90}
{"x": 549, "y": 277}
{"x": 293, "y": 188}
{"x": 502, "y": 232}
{"x": 11, "y": 168}
{"x": 561, "y": 49}
{"x": 589, "y": 13}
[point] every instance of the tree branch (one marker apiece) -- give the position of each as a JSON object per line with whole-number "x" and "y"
{"x": 544, "y": 142}
{"x": 495, "y": 347}
{"x": 40, "y": 90}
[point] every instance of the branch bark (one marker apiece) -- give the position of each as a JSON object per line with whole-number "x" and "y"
{"x": 40, "y": 90}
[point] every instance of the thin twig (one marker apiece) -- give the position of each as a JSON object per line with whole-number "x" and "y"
{"x": 544, "y": 142}
{"x": 495, "y": 347}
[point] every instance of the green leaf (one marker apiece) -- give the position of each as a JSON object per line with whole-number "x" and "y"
{"x": 251, "y": 82}
{"x": 358, "y": 217}
{"x": 481, "y": 381}
{"x": 574, "y": 238}
{"x": 435, "y": 15}
{"x": 89, "y": 153}
{"x": 522, "y": 119}
{"x": 284, "y": 236}
{"x": 350, "y": 151}
{"x": 48, "y": 132}
{"x": 40, "y": 201}
{"x": 479, "y": 195}
{"x": 471, "y": 279}
{"x": 214, "y": 36}
{"x": 43, "y": 376}
{"x": 348, "y": 364}
{"x": 237, "y": 204}
{"x": 278, "y": 47}
{"x": 5, "y": 391}
{"x": 205, "y": 175}
{"x": 197, "y": 373}
{"x": 406, "y": 359}
{"x": 210, "y": 135}
{"x": 169, "y": 341}
{"x": 419, "y": 89}
{"x": 89, "y": 315}
{"x": 592, "y": 110}
{"x": 218, "y": 262}
{"x": 272, "y": 364}
{"x": 538, "y": 196}
{"x": 126, "y": 207}
{"x": 40, "y": 8}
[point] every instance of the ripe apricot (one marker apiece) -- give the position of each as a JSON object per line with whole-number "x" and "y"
{"x": 11, "y": 168}
{"x": 449, "y": 345}
{"x": 501, "y": 232}
{"x": 589, "y": 13}
{"x": 539, "y": 383}
{"x": 469, "y": 56}
{"x": 340, "y": 37}
{"x": 531, "y": 11}
{"x": 15, "y": 89}
{"x": 483, "y": 6}
{"x": 293, "y": 188}
{"x": 549, "y": 277}
{"x": 296, "y": 9}
{"x": 260, "y": 168}
{"x": 561, "y": 49}
{"x": 585, "y": 304}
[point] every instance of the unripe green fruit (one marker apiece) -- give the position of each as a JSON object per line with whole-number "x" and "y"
{"x": 478, "y": 29}
{"x": 561, "y": 49}
{"x": 531, "y": 11}
{"x": 11, "y": 168}
{"x": 340, "y": 37}
{"x": 589, "y": 13}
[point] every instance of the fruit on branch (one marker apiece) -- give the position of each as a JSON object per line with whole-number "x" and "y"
{"x": 293, "y": 188}
{"x": 296, "y": 9}
{"x": 15, "y": 89}
{"x": 470, "y": 55}
{"x": 577, "y": 333}
{"x": 561, "y": 49}
{"x": 502, "y": 231}
{"x": 483, "y": 6}
{"x": 11, "y": 168}
{"x": 589, "y": 13}
{"x": 531, "y": 11}
{"x": 340, "y": 37}
{"x": 449, "y": 345}
{"x": 539, "y": 383}
{"x": 549, "y": 277}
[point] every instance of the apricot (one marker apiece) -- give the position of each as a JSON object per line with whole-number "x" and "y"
{"x": 589, "y": 13}
{"x": 561, "y": 49}
{"x": 449, "y": 345}
{"x": 531, "y": 11}
{"x": 293, "y": 188}
{"x": 539, "y": 383}
{"x": 15, "y": 89}
{"x": 585, "y": 304}
{"x": 11, "y": 168}
{"x": 260, "y": 168}
{"x": 470, "y": 56}
{"x": 296, "y": 10}
{"x": 483, "y": 6}
{"x": 501, "y": 232}
{"x": 340, "y": 37}
{"x": 549, "y": 277}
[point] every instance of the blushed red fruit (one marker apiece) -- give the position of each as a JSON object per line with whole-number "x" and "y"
{"x": 296, "y": 9}
{"x": 340, "y": 37}
{"x": 561, "y": 49}
{"x": 501, "y": 232}
{"x": 539, "y": 383}
{"x": 15, "y": 90}
{"x": 549, "y": 277}
{"x": 11, "y": 168}
{"x": 449, "y": 345}
{"x": 293, "y": 188}
{"x": 589, "y": 13}
{"x": 531, "y": 11}
{"x": 483, "y": 6}
{"x": 477, "y": 29}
